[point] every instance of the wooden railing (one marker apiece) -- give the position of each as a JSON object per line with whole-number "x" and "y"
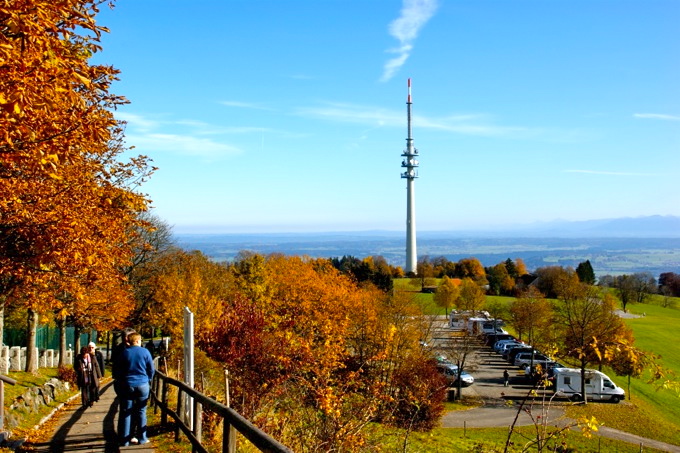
{"x": 233, "y": 421}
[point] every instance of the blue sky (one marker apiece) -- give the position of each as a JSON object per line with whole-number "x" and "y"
{"x": 289, "y": 116}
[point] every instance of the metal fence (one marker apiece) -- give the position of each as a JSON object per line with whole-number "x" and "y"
{"x": 46, "y": 337}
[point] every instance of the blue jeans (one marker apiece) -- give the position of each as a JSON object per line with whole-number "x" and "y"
{"x": 134, "y": 413}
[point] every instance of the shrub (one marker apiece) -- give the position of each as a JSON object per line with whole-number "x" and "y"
{"x": 420, "y": 399}
{"x": 67, "y": 374}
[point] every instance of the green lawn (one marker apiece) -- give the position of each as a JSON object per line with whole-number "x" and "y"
{"x": 491, "y": 440}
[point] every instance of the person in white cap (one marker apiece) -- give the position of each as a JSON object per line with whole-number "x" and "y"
{"x": 96, "y": 353}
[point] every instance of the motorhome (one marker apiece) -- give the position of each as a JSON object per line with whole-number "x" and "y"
{"x": 598, "y": 385}
{"x": 476, "y": 322}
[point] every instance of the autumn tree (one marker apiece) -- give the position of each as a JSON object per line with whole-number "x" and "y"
{"x": 471, "y": 296}
{"x": 531, "y": 314}
{"x": 447, "y": 293}
{"x": 439, "y": 266}
{"x": 625, "y": 288}
{"x": 67, "y": 203}
{"x": 628, "y": 360}
{"x": 178, "y": 279}
{"x": 500, "y": 279}
{"x": 459, "y": 348}
{"x": 669, "y": 284}
{"x": 588, "y": 321}
{"x": 304, "y": 339}
{"x": 471, "y": 268}
{"x": 424, "y": 272}
{"x": 634, "y": 288}
{"x": 297, "y": 310}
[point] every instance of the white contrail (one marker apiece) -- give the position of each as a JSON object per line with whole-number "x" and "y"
{"x": 657, "y": 116}
{"x": 414, "y": 14}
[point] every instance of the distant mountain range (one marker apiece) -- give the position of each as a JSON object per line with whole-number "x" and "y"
{"x": 656, "y": 226}
{"x": 613, "y": 246}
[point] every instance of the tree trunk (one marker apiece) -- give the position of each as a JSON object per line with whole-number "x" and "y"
{"x": 61, "y": 324}
{"x": 31, "y": 359}
{"x": 584, "y": 397}
{"x": 76, "y": 340}
{"x": 2, "y": 320}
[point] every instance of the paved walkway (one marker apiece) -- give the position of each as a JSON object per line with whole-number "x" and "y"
{"x": 88, "y": 430}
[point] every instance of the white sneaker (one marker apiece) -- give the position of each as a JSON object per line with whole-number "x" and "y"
{"x": 134, "y": 441}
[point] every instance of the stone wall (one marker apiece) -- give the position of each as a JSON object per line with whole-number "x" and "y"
{"x": 14, "y": 358}
{"x": 33, "y": 399}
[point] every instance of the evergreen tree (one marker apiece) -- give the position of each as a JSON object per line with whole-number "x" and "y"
{"x": 585, "y": 272}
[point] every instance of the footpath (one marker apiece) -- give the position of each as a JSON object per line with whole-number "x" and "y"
{"x": 89, "y": 429}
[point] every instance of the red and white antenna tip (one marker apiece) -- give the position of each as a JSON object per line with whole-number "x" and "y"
{"x": 409, "y": 90}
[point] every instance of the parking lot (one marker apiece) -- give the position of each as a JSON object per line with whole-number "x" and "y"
{"x": 499, "y": 403}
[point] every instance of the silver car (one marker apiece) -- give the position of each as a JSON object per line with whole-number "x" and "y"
{"x": 523, "y": 359}
{"x": 450, "y": 372}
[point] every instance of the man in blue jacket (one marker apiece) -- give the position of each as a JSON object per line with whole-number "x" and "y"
{"x": 137, "y": 368}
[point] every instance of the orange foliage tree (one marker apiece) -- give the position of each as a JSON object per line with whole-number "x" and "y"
{"x": 67, "y": 205}
{"x": 312, "y": 355}
{"x": 589, "y": 323}
{"x": 179, "y": 279}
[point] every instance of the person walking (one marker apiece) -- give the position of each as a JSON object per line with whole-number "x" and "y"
{"x": 88, "y": 375}
{"x": 506, "y": 378}
{"x": 97, "y": 355}
{"x": 137, "y": 366}
{"x": 118, "y": 373}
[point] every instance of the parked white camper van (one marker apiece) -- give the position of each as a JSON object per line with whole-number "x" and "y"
{"x": 598, "y": 385}
{"x": 476, "y": 322}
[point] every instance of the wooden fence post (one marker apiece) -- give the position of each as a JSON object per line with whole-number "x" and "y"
{"x": 179, "y": 412}
{"x": 228, "y": 437}
{"x": 164, "y": 402}
{"x": 198, "y": 420}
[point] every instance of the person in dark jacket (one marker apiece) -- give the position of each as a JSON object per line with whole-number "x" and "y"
{"x": 88, "y": 375}
{"x": 137, "y": 364}
{"x": 92, "y": 349}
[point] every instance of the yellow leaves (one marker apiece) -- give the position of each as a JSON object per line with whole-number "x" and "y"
{"x": 82, "y": 79}
{"x": 588, "y": 425}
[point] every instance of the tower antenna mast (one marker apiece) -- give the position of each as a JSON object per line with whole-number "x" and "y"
{"x": 410, "y": 165}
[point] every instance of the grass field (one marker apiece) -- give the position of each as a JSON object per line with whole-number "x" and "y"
{"x": 650, "y": 411}
{"x": 493, "y": 440}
